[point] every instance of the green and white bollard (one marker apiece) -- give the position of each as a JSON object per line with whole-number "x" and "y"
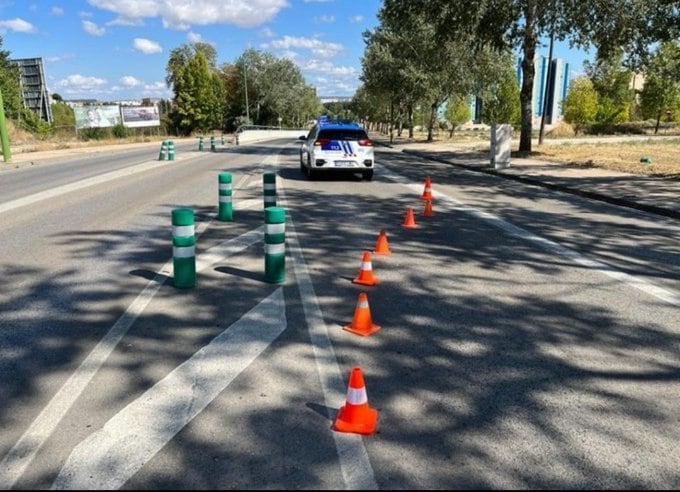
{"x": 183, "y": 248}
{"x": 171, "y": 150}
{"x": 226, "y": 212}
{"x": 269, "y": 189}
{"x": 164, "y": 151}
{"x": 275, "y": 245}
{"x": 212, "y": 143}
{"x": 222, "y": 139}
{"x": 200, "y": 144}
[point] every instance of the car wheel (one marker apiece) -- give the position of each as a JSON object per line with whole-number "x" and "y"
{"x": 367, "y": 175}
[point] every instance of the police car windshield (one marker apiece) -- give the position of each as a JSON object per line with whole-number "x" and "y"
{"x": 342, "y": 134}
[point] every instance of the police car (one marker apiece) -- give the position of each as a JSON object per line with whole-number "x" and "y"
{"x": 336, "y": 146}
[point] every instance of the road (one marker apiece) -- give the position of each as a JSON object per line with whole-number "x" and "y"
{"x": 529, "y": 339}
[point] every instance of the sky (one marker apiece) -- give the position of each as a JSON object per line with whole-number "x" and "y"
{"x": 115, "y": 50}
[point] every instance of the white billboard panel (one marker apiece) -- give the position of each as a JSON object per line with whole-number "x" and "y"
{"x": 97, "y": 116}
{"x": 134, "y": 116}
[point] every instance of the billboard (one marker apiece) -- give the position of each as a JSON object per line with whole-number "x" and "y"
{"x": 97, "y": 116}
{"x": 134, "y": 116}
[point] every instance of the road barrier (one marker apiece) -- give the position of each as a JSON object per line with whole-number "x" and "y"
{"x": 212, "y": 144}
{"x": 275, "y": 245}
{"x": 164, "y": 151}
{"x": 200, "y": 144}
{"x": 171, "y": 150}
{"x": 183, "y": 248}
{"x": 269, "y": 189}
{"x": 225, "y": 207}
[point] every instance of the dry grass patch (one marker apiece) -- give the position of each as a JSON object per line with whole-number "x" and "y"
{"x": 623, "y": 156}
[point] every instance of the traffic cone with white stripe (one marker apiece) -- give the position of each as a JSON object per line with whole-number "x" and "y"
{"x": 366, "y": 272}
{"x": 427, "y": 191}
{"x": 356, "y": 416}
{"x": 362, "y": 323}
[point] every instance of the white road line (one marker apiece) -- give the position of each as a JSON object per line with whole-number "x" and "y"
{"x": 78, "y": 185}
{"x": 352, "y": 455}
{"x": 638, "y": 283}
{"x": 108, "y": 458}
{"x": 24, "y": 450}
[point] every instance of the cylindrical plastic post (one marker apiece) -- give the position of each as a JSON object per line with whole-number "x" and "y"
{"x": 200, "y": 144}
{"x": 269, "y": 189}
{"x": 171, "y": 150}
{"x": 212, "y": 143}
{"x": 183, "y": 248}
{"x": 275, "y": 245}
{"x": 226, "y": 212}
{"x": 222, "y": 139}
{"x": 164, "y": 151}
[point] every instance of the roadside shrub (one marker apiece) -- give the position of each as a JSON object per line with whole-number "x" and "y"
{"x": 120, "y": 131}
{"x": 92, "y": 134}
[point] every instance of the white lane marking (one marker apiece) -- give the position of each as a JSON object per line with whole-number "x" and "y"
{"x": 78, "y": 185}
{"x": 108, "y": 458}
{"x": 352, "y": 455}
{"x": 24, "y": 450}
{"x": 548, "y": 245}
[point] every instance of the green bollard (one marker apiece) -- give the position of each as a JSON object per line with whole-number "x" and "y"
{"x": 269, "y": 189}
{"x": 223, "y": 139}
{"x": 226, "y": 212}
{"x": 200, "y": 144}
{"x": 183, "y": 248}
{"x": 275, "y": 245}
{"x": 171, "y": 150}
{"x": 164, "y": 151}
{"x": 212, "y": 143}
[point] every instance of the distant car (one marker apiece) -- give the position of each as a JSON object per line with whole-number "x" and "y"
{"x": 333, "y": 146}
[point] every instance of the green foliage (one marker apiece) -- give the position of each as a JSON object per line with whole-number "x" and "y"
{"x": 580, "y": 104}
{"x": 93, "y": 134}
{"x": 457, "y": 112}
{"x": 121, "y": 131}
{"x": 611, "y": 81}
{"x": 62, "y": 115}
{"x": 9, "y": 85}
{"x": 661, "y": 92}
{"x": 33, "y": 123}
{"x": 500, "y": 93}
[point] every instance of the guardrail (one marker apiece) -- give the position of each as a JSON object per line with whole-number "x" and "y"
{"x": 256, "y": 133}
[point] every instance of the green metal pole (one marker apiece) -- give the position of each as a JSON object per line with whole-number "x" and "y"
{"x": 226, "y": 212}
{"x": 4, "y": 135}
{"x": 275, "y": 245}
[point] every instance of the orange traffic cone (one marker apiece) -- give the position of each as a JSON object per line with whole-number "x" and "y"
{"x": 410, "y": 220}
{"x": 366, "y": 272}
{"x": 427, "y": 191}
{"x": 428, "y": 209}
{"x": 362, "y": 323}
{"x": 381, "y": 246}
{"x": 356, "y": 416}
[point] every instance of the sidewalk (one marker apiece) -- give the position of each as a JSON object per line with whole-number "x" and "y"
{"x": 650, "y": 194}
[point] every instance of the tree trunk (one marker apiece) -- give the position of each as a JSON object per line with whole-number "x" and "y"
{"x": 658, "y": 122}
{"x": 391, "y": 121}
{"x": 528, "y": 73}
{"x": 410, "y": 121}
{"x": 430, "y": 126}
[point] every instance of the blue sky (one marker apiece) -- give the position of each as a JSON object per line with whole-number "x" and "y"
{"x": 118, "y": 49}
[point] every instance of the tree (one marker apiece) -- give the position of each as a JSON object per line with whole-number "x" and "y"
{"x": 498, "y": 90}
{"x": 510, "y": 24}
{"x": 661, "y": 91}
{"x": 9, "y": 85}
{"x": 57, "y": 97}
{"x": 457, "y": 112}
{"x": 580, "y": 104}
{"x": 180, "y": 58}
{"x": 611, "y": 81}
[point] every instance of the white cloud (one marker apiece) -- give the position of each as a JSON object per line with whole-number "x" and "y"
{"x": 56, "y": 11}
{"x": 267, "y": 33}
{"x": 129, "y": 81}
{"x": 328, "y": 68}
{"x": 17, "y": 25}
{"x": 147, "y": 46}
{"x": 58, "y": 58}
{"x": 124, "y": 21}
{"x": 93, "y": 29}
{"x": 317, "y": 47}
{"x": 356, "y": 19}
{"x": 194, "y": 37}
{"x": 326, "y": 19}
{"x": 79, "y": 82}
{"x": 180, "y": 14}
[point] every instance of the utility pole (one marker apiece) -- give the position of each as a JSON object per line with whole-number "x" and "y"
{"x": 245, "y": 81}
{"x": 544, "y": 111}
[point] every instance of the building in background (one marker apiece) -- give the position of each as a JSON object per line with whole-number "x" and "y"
{"x": 557, "y": 84}
{"x": 33, "y": 87}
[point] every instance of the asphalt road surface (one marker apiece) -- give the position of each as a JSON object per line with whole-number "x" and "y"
{"x": 529, "y": 339}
